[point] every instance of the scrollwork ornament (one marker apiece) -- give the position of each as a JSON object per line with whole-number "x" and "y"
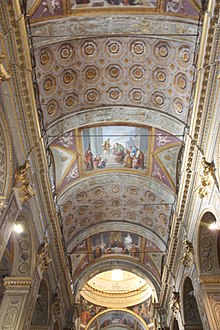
{"x": 22, "y": 183}
{"x": 43, "y": 258}
{"x": 187, "y": 258}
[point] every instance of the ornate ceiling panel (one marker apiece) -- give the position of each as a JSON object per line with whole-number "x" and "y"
{"x": 45, "y": 33}
{"x": 145, "y": 72}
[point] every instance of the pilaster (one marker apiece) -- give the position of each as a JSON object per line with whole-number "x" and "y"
{"x": 14, "y": 302}
{"x": 211, "y": 291}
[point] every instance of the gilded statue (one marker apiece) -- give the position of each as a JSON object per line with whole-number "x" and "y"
{"x": 22, "y": 183}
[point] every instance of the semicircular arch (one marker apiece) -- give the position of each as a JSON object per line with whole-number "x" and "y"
{"x": 106, "y": 265}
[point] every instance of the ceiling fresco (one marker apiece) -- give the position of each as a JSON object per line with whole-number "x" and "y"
{"x": 125, "y": 318}
{"x": 41, "y": 9}
{"x": 114, "y": 244}
{"x": 150, "y": 152}
{"x": 115, "y": 97}
{"x": 117, "y": 319}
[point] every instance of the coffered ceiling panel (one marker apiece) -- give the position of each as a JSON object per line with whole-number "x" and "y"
{"x": 145, "y": 72}
{"x": 116, "y": 198}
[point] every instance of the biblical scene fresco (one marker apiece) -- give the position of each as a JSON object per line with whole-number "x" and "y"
{"x": 184, "y": 7}
{"x": 109, "y": 3}
{"x": 143, "y": 310}
{"x": 116, "y": 243}
{"x": 89, "y": 310}
{"x": 119, "y": 319}
{"x": 115, "y": 147}
{"x": 48, "y": 8}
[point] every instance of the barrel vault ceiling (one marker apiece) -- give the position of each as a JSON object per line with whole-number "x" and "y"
{"x": 114, "y": 81}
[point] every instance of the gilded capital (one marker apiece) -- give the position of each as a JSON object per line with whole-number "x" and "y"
{"x": 17, "y": 282}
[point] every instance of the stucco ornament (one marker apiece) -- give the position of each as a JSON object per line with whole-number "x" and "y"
{"x": 207, "y": 178}
{"x": 187, "y": 258}
{"x": 43, "y": 258}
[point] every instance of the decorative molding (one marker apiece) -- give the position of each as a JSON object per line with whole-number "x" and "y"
{"x": 73, "y": 27}
{"x": 207, "y": 280}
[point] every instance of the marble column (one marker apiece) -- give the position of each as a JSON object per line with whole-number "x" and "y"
{"x": 14, "y": 302}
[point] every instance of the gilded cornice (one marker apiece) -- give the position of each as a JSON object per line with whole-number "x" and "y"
{"x": 207, "y": 280}
{"x": 17, "y": 282}
{"x": 203, "y": 93}
{"x": 114, "y": 294}
{"x": 15, "y": 32}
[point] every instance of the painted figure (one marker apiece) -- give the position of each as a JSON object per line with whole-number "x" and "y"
{"x": 88, "y": 159}
{"x": 106, "y": 147}
{"x": 128, "y": 160}
{"x": 119, "y": 153}
{"x": 139, "y": 159}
